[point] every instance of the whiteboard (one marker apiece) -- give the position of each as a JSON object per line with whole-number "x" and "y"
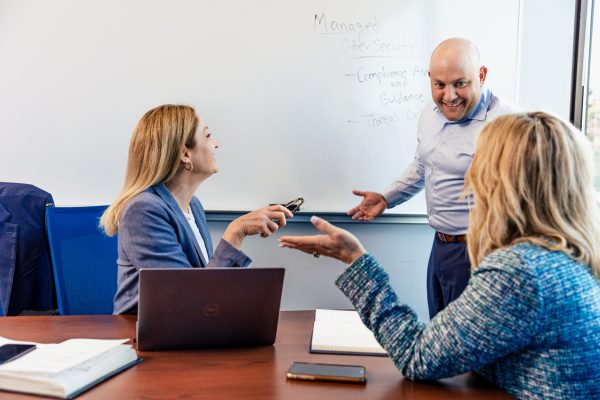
{"x": 306, "y": 98}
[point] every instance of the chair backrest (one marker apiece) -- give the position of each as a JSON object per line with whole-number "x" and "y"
{"x": 84, "y": 260}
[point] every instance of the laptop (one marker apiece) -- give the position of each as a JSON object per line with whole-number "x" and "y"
{"x": 185, "y": 308}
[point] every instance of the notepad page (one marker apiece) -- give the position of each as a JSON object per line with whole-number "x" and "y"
{"x": 343, "y": 331}
{"x": 4, "y": 341}
{"x": 54, "y": 358}
{"x": 96, "y": 368}
{"x": 337, "y": 315}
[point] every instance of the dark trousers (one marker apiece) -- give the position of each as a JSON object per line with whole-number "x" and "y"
{"x": 448, "y": 273}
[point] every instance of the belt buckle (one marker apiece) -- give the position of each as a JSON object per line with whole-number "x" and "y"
{"x": 446, "y": 238}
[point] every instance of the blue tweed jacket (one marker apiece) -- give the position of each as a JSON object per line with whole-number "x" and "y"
{"x": 154, "y": 233}
{"x": 529, "y": 321}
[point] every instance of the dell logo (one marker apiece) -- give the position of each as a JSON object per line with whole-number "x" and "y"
{"x": 210, "y": 310}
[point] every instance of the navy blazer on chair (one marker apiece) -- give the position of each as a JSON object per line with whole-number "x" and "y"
{"x": 25, "y": 267}
{"x": 154, "y": 233}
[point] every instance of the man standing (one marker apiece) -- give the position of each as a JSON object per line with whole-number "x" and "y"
{"x": 447, "y": 133}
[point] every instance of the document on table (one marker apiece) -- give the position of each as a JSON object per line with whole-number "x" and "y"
{"x": 342, "y": 332}
{"x": 66, "y": 369}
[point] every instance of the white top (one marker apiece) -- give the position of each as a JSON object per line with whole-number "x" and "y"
{"x": 192, "y": 221}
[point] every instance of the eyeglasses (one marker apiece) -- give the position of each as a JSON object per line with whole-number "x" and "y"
{"x": 294, "y": 205}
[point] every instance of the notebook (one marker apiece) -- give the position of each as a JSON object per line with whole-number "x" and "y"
{"x": 186, "y": 308}
{"x": 65, "y": 369}
{"x": 342, "y": 332}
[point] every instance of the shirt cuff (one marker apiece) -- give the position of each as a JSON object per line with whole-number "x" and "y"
{"x": 227, "y": 256}
{"x": 389, "y": 198}
{"x": 393, "y": 197}
{"x": 361, "y": 278}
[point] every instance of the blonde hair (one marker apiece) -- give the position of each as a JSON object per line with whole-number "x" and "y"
{"x": 154, "y": 155}
{"x": 532, "y": 181}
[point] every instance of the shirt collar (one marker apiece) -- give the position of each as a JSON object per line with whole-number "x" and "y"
{"x": 478, "y": 113}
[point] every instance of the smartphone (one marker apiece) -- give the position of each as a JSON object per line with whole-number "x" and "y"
{"x": 294, "y": 205}
{"x": 327, "y": 372}
{"x": 12, "y": 351}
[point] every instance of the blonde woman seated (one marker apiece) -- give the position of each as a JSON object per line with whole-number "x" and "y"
{"x": 529, "y": 319}
{"x": 159, "y": 220}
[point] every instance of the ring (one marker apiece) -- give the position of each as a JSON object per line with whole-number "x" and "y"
{"x": 316, "y": 255}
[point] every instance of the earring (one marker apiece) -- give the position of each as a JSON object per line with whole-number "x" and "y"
{"x": 188, "y": 166}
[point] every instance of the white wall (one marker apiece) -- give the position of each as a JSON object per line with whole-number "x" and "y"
{"x": 289, "y": 100}
{"x": 309, "y": 282}
{"x": 545, "y": 83}
{"x": 547, "y": 29}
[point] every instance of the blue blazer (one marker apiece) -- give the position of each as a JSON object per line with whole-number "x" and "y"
{"x": 25, "y": 268}
{"x": 154, "y": 233}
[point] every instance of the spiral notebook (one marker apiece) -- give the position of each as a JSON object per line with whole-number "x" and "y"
{"x": 342, "y": 332}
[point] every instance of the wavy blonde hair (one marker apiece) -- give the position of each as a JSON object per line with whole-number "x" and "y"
{"x": 532, "y": 181}
{"x": 154, "y": 155}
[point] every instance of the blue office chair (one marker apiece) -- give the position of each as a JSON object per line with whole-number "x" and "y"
{"x": 84, "y": 260}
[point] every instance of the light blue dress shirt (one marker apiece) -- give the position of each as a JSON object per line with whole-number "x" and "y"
{"x": 444, "y": 153}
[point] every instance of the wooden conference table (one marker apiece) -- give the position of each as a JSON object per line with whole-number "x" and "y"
{"x": 242, "y": 373}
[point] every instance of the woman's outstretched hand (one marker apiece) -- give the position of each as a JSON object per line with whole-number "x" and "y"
{"x": 335, "y": 242}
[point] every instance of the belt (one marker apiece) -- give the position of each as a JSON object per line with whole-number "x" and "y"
{"x": 451, "y": 238}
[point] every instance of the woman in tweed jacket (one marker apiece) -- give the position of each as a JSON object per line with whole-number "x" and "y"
{"x": 529, "y": 319}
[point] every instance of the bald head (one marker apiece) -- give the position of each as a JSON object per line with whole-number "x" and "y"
{"x": 456, "y": 50}
{"x": 456, "y": 77}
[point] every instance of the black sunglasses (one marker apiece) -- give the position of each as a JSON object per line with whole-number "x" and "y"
{"x": 294, "y": 205}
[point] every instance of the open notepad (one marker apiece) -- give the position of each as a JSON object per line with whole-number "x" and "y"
{"x": 342, "y": 332}
{"x": 66, "y": 369}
